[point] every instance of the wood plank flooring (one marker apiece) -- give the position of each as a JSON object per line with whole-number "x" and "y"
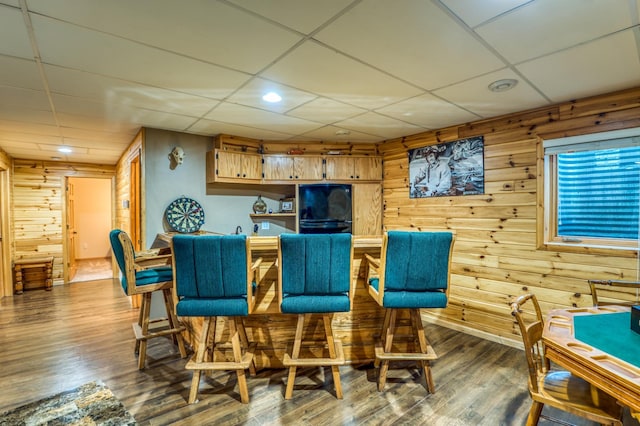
{"x": 54, "y": 341}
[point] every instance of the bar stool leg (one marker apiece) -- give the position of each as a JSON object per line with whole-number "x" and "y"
{"x": 387, "y": 342}
{"x": 335, "y": 370}
{"x": 199, "y": 358}
{"x": 422, "y": 340}
{"x": 245, "y": 343}
{"x": 297, "y": 343}
{"x": 145, "y": 309}
{"x": 237, "y": 357}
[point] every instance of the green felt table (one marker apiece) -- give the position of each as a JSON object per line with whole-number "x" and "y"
{"x": 610, "y": 333}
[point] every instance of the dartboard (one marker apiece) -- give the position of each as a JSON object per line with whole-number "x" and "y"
{"x": 185, "y": 215}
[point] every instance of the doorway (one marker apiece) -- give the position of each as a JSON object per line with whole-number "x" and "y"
{"x": 88, "y": 203}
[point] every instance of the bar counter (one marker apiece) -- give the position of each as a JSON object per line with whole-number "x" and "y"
{"x": 273, "y": 331}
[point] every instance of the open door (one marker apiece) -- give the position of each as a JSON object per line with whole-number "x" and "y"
{"x": 71, "y": 231}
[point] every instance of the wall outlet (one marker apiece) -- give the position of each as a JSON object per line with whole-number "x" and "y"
{"x": 265, "y": 225}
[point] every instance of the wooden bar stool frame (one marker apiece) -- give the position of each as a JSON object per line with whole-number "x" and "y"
{"x": 242, "y": 350}
{"x": 293, "y": 359}
{"x": 384, "y": 347}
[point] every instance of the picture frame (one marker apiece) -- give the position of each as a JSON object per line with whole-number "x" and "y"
{"x": 447, "y": 169}
{"x": 287, "y": 205}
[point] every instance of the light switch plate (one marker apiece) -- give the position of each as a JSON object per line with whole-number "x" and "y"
{"x": 265, "y": 225}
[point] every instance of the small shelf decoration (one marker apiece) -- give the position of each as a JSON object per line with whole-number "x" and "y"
{"x": 287, "y": 205}
{"x": 259, "y": 207}
{"x": 185, "y": 215}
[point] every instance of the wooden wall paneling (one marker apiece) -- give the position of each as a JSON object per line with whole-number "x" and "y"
{"x": 38, "y": 202}
{"x": 6, "y": 276}
{"x": 496, "y": 255}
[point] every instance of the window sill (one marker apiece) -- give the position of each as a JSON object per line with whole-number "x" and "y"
{"x": 619, "y": 251}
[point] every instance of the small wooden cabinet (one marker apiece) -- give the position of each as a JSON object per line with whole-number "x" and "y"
{"x": 233, "y": 166}
{"x": 361, "y": 168}
{"x": 287, "y": 168}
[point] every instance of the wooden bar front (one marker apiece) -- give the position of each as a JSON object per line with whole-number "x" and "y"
{"x": 273, "y": 331}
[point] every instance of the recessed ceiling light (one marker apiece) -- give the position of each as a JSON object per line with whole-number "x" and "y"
{"x": 54, "y": 158}
{"x": 503, "y": 85}
{"x": 272, "y": 97}
{"x": 65, "y": 149}
{"x": 343, "y": 132}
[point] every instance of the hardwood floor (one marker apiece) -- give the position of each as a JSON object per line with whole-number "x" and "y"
{"x": 54, "y": 341}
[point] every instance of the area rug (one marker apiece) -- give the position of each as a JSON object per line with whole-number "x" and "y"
{"x": 90, "y": 404}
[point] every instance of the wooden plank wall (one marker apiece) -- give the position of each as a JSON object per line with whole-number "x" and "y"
{"x": 38, "y": 207}
{"x": 495, "y": 256}
{"x": 123, "y": 181}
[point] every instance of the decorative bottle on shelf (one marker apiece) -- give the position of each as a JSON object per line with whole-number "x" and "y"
{"x": 259, "y": 207}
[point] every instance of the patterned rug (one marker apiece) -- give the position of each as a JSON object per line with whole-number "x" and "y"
{"x": 90, "y": 404}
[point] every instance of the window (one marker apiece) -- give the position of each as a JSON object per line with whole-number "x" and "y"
{"x": 592, "y": 190}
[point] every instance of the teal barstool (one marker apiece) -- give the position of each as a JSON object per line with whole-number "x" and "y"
{"x": 411, "y": 274}
{"x": 143, "y": 275}
{"x": 315, "y": 278}
{"x": 215, "y": 278}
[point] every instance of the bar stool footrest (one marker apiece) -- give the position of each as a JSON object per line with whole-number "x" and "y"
{"x": 404, "y": 356}
{"x": 137, "y": 331}
{"x": 308, "y": 362}
{"x": 247, "y": 357}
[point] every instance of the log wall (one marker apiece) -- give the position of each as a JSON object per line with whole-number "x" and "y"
{"x": 38, "y": 207}
{"x": 495, "y": 255}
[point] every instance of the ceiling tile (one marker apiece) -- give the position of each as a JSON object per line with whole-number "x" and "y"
{"x": 319, "y": 70}
{"x": 122, "y": 138}
{"x": 427, "y": 111}
{"x": 115, "y": 93}
{"x": 14, "y": 97}
{"x": 544, "y": 26}
{"x": 78, "y": 48}
{"x": 125, "y": 119}
{"x": 201, "y": 30}
{"x": 325, "y": 110}
{"x": 27, "y": 115}
{"x": 239, "y": 114}
{"x": 379, "y": 125}
{"x": 418, "y": 42}
{"x": 328, "y": 133}
{"x": 251, "y": 95}
{"x": 587, "y": 69}
{"x": 301, "y": 16}
{"x": 475, "y": 96}
{"x": 474, "y": 12}
{"x": 20, "y": 73}
{"x": 14, "y": 38}
{"x": 212, "y": 127}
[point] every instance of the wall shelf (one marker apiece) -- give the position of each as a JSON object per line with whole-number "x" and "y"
{"x": 266, "y": 215}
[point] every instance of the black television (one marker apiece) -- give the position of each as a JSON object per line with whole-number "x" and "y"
{"x": 324, "y": 208}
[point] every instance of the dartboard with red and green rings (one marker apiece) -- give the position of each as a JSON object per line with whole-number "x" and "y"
{"x": 185, "y": 215}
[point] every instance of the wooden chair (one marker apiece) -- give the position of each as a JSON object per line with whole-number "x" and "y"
{"x": 143, "y": 275}
{"x": 616, "y": 292}
{"x": 314, "y": 278}
{"x": 215, "y": 278}
{"x": 411, "y": 274}
{"x": 557, "y": 388}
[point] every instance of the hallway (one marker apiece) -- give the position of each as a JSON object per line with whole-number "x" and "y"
{"x": 92, "y": 269}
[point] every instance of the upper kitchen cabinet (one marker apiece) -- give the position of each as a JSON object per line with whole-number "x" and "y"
{"x": 234, "y": 166}
{"x": 359, "y": 168}
{"x": 279, "y": 168}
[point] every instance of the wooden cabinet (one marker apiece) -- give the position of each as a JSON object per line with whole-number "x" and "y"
{"x": 367, "y": 209}
{"x": 233, "y": 166}
{"x": 363, "y": 168}
{"x": 287, "y": 168}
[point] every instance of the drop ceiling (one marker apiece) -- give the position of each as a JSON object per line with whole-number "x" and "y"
{"x": 88, "y": 74}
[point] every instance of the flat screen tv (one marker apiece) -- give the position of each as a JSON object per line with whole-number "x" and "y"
{"x": 324, "y": 208}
